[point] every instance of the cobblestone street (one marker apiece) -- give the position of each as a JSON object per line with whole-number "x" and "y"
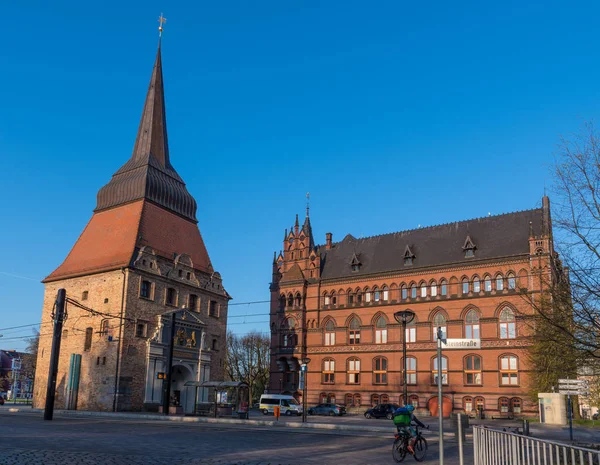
{"x": 28, "y": 440}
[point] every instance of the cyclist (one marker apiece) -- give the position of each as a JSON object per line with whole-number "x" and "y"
{"x": 403, "y": 419}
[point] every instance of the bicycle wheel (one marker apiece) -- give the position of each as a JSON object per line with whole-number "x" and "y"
{"x": 420, "y": 449}
{"x": 399, "y": 449}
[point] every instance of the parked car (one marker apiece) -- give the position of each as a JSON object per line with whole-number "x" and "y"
{"x": 381, "y": 411}
{"x": 327, "y": 409}
{"x": 595, "y": 416}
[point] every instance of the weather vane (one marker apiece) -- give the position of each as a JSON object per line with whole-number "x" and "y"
{"x": 161, "y": 21}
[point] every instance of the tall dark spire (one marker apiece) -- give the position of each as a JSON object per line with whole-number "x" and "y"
{"x": 148, "y": 173}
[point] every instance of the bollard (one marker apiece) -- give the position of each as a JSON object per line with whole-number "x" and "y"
{"x": 460, "y": 440}
{"x": 525, "y": 427}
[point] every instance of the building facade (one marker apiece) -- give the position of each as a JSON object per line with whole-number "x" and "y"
{"x": 335, "y": 304}
{"x": 140, "y": 258}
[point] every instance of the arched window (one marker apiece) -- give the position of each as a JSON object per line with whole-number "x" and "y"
{"x": 479, "y": 403}
{"x": 333, "y": 298}
{"x": 298, "y": 300}
{"x": 487, "y": 284}
{"x": 356, "y": 400}
{"x": 329, "y": 333}
{"x": 404, "y": 292}
{"x": 331, "y": 398}
{"x": 385, "y": 293}
{"x": 104, "y": 327}
{"x": 434, "y": 371}
{"x": 476, "y": 285}
{"x": 290, "y": 301}
{"x": 328, "y": 371}
{"x": 439, "y": 321}
{"x": 413, "y": 291}
{"x": 509, "y": 370}
{"x": 411, "y": 370}
{"x": 374, "y": 400}
{"x": 443, "y": 288}
{"x": 465, "y": 286}
{"x": 504, "y": 404}
{"x": 508, "y": 328}
{"x": 377, "y": 295}
{"x": 512, "y": 283}
{"x": 353, "y": 371}
{"x": 411, "y": 332}
{"x": 359, "y": 297}
{"x": 350, "y": 297}
{"x": 423, "y": 290}
{"x": 380, "y": 370}
{"x": 354, "y": 332}
{"x": 323, "y": 397}
{"x": 472, "y": 325}
{"x": 515, "y": 404}
{"x": 414, "y": 401}
{"x": 384, "y": 398}
{"x": 326, "y": 299}
{"x": 348, "y": 399}
{"x": 468, "y": 404}
{"x": 472, "y": 370}
{"x": 367, "y": 295}
{"x": 381, "y": 331}
{"x": 499, "y": 283}
{"x": 433, "y": 289}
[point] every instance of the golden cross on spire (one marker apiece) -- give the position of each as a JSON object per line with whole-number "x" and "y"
{"x": 161, "y": 21}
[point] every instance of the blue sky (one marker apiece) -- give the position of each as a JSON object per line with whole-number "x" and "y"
{"x": 394, "y": 115}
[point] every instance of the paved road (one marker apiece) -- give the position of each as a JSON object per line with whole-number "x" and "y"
{"x": 27, "y": 439}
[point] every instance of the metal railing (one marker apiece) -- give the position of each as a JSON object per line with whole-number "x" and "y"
{"x": 493, "y": 447}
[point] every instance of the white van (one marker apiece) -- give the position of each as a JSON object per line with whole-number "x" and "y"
{"x": 288, "y": 405}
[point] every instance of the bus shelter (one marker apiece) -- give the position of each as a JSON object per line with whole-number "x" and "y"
{"x": 230, "y": 398}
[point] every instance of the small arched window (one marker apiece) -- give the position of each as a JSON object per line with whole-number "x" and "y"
{"x": 476, "y": 285}
{"x": 290, "y": 301}
{"x": 443, "y": 288}
{"x": 487, "y": 284}
{"x": 354, "y": 332}
{"x": 423, "y": 290}
{"x": 298, "y": 300}
{"x": 512, "y": 283}
{"x": 439, "y": 321}
{"x": 499, "y": 283}
{"x": 507, "y": 324}
{"x": 385, "y": 293}
{"x": 404, "y": 292}
{"x": 381, "y": 331}
{"x": 433, "y": 288}
{"x": 472, "y": 325}
{"x": 413, "y": 291}
{"x": 465, "y": 286}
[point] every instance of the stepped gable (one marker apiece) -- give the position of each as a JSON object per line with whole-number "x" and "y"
{"x": 495, "y": 236}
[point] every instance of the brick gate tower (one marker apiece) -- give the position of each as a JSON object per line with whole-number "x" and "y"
{"x": 140, "y": 257}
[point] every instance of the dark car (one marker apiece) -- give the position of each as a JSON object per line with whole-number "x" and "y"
{"x": 327, "y": 409}
{"x": 381, "y": 411}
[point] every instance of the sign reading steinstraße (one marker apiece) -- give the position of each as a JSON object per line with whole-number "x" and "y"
{"x": 463, "y": 344}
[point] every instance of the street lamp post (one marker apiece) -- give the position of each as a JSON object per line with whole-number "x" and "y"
{"x": 305, "y": 362}
{"x": 404, "y": 317}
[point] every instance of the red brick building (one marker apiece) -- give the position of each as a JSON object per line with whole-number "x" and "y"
{"x": 335, "y": 304}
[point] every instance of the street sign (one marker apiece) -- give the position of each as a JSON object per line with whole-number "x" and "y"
{"x": 463, "y": 344}
{"x": 301, "y": 383}
{"x": 572, "y": 381}
{"x": 573, "y": 392}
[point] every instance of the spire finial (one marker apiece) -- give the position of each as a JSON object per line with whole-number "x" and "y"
{"x": 161, "y": 21}
{"x": 307, "y": 203}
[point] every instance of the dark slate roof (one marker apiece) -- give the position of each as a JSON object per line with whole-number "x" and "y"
{"x": 148, "y": 174}
{"x": 493, "y": 236}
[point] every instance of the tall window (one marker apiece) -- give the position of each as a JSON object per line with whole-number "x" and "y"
{"x": 413, "y": 291}
{"x": 439, "y": 321}
{"x": 473, "y": 369}
{"x": 381, "y": 331}
{"x": 298, "y": 301}
{"x": 516, "y": 404}
{"x": 434, "y": 372}
{"x": 350, "y": 298}
{"x": 499, "y": 283}
{"x": 433, "y": 289}
{"x": 327, "y": 300}
{"x": 404, "y": 292}
{"x": 423, "y": 290}
{"x": 386, "y": 294}
{"x": 411, "y": 332}
{"x": 508, "y": 328}
{"x": 193, "y": 302}
{"x": 353, "y": 371}
{"x": 487, "y": 284}
{"x": 476, "y": 285}
{"x": 443, "y": 288}
{"x": 367, "y": 296}
{"x": 503, "y": 404}
{"x": 354, "y": 332}
{"x": 468, "y": 404}
{"x": 171, "y": 298}
{"x": 377, "y": 295}
{"x": 213, "y": 308}
{"x": 411, "y": 370}
{"x": 465, "y": 286}
{"x": 374, "y": 400}
{"x": 104, "y": 327}
{"x": 512, "y": 283}
{"x": 329, "y": 333}
{"x": 87, "y": 345}
{"x": 509, "y": 374}
{"x": 328, "y": 371}
{"x": 380, "y": 371}
{"x": 472, "y": 325}
{"x": 146, "y": 289}
{"x": 479, "y": 403}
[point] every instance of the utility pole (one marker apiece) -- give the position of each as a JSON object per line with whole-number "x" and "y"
{"x": 55, "y": 353}
{"x": 167, "y": 385}
{"x": 440, "y": 335}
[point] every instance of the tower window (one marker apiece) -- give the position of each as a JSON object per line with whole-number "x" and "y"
{"x": 84, "y": 295}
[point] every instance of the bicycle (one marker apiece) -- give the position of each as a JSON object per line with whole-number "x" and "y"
{"x": 400, "y": 446}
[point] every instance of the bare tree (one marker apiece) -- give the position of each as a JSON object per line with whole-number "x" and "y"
{"x": 247, "y": 360}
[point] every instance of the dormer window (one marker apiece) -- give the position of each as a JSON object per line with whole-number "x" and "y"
{"x": 408, "y": 256}
{"x": 355, "y": 263}
{"x": 469, "y": 247}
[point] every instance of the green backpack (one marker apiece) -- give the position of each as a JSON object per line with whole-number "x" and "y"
{"x": 402, "y": 417}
